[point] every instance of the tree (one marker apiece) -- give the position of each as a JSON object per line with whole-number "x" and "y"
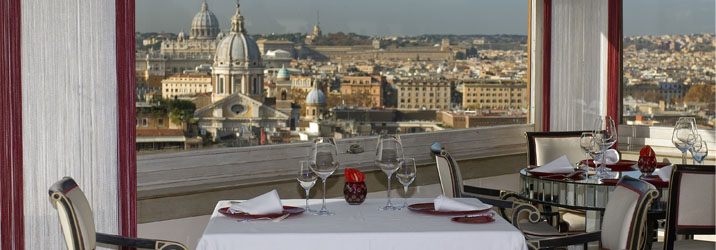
{"x": 181, "y": 111}
{"x": 700, "y": 93}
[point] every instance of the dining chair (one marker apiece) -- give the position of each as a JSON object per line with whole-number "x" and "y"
{"x": 623, "y": 223}
{"x": 690, "y": 208}
{"x": 522, "y": 215}
{"x": 544, "y": 147}
{"x": 77, "y": 222}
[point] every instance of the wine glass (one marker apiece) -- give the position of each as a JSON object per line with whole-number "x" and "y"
{"x": 605, "y": 135}
{"x": 307, "y": 178}
{"x": 595, "y": 151}
{"x": 683, "y": 135}
{"x": 406, "y": 174}
{"x": 699, "y": 150}
{"x": 389, "y": 156}
{"x": 585, "y": 142}
{"x": 324, "y": 161}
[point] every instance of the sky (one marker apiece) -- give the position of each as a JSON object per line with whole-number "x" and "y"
{"x": 412, "y": 17}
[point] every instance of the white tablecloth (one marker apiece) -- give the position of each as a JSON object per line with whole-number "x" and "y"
{"x": 358, "y": 227}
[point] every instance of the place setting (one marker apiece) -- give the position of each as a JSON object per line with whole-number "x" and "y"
{"x": 473, "y": 211}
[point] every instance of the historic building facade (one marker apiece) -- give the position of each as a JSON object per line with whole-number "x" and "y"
{"x": 238, "y": 108}
{"x": 176, "y": 56}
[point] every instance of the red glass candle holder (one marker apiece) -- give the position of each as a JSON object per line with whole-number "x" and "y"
{"x": 647, "y": 164}
{"x": 355, "y": 192}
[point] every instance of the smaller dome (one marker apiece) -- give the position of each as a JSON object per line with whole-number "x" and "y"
{"x": 283, "y": 74}
{"x": 316, "y": 97}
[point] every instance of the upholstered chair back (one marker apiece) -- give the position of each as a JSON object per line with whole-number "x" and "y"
{"x": 624, "y": 218}
{"x": 545, "y": 147}
{"x": 448, "y": 172}
{"x": 75, "y": 214}
{"x": 692, "y": 193}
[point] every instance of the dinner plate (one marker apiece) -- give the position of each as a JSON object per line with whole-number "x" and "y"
{"x": 621, "y": 165}
{"x": 555, "y": 175}
{"x": 625, "y": 165}
{"x": 476, "y": 219}
{"x": 429, "y": 208}
{"x": 286, "y": 210}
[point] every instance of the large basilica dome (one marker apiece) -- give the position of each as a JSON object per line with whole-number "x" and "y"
{"x": 205, "y": 25}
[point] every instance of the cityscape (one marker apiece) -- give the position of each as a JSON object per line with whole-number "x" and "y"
{"x": 213, "y": 88}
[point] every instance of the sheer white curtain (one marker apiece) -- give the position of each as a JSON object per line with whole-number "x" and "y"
{"x": 579, "y": 60}
{"x": 69, "y": 108}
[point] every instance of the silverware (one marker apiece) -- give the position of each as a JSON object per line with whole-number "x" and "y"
{"x": 277, "y": 219}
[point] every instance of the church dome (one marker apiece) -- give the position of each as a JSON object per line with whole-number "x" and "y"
{"x": 316, "y": 97}
{"x": 283, "y": 74}
{"x": 238, "y": 48}
{"x": 205, "y": 25}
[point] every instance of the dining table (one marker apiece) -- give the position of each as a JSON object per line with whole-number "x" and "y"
{"x": 590, "y": 194}
{"x": 358, "y": 227}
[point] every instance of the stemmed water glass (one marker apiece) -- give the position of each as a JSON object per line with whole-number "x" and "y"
{"x": 389, "y": 156}
{"x": 684, "y": 135}
{"x": 586, "y": 143}
{"x": 406, "y": 174}
{"x": 324, "y": 161}
{"x": 307, "y": 178}
{"x": 699, "y": 150}
{"x": 605, "y": 135}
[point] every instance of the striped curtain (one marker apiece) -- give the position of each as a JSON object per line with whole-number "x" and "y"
{"x": 579, "y": 63}
{"x": 69, "y": 107}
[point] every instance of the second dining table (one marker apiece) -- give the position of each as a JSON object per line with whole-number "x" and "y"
{"x": 358, "y": 227}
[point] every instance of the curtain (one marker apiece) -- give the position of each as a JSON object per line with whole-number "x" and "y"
{"x": 579, "y": 59}
{"x": 69, "y": 107}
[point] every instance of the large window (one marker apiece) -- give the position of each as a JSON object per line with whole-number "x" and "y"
{"x": 668, "y": 62}
{"x": 360, "y": 60}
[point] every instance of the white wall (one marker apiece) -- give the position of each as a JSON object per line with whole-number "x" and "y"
{"x": 69, "y": 107}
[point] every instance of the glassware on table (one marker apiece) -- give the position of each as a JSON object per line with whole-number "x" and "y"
{"x": 405, "y": 175}
{"x": 596, "y": 153}
{"x": 324, "y": 161}
{"x": 683, "y": 135}
{"x": 389, "y": 157}
{"x": 605, "y": 135}
{"x": 699, "y": 150}
{"x": 306, "y": 178}
{"x": 585, "y": 141}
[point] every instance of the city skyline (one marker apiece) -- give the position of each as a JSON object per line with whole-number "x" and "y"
{"x": 406, "y": 17}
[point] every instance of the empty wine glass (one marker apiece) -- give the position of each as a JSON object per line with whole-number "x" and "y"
{"x": 683, "y": 135}
{"x": 307, "y": 178}
{"x": 406, "y": 174}
{"x": 605, "y": 135}
{"x": 324, "y": 161}
{"x": 585, "y": 142}
{"x": 595, "y": 151}
{"x": 699, "y": 150}
{"x": 389, "y": 156}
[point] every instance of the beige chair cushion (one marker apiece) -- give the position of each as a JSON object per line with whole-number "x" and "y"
{"x": 548, "y": 149}
{"x": 576, "y": 220}
{"x": 618, "y": 217}
{"x": 696, "y": 201}
{"x": 447, "y": 179}
{"x": 538, "y": 230}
